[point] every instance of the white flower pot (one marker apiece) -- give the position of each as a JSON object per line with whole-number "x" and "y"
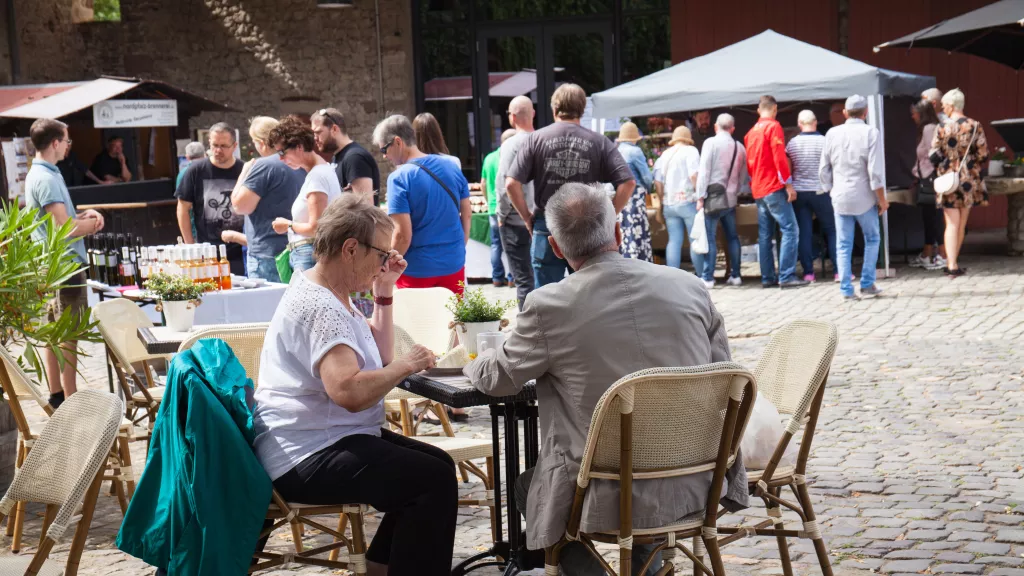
{"x": 995, "y": 167}
{"x": 468, "y": 331}
{"x": 180, "y": 315}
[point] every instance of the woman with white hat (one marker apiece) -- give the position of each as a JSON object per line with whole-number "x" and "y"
{"x": 636, "y": 228}
{"x": 675, "y": 179}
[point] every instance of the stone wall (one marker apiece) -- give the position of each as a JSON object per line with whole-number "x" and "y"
{"x": 261, "y": 57}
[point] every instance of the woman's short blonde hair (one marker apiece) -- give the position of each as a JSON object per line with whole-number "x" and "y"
{"x": 260, "y": 127}
{"x": 954, "y": 98}
{"x": 348, "y": 217}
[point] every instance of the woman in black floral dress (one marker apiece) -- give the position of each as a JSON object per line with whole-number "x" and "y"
{"x": 960, "y": 141}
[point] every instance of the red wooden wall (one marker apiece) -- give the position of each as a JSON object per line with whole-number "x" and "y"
{"x": 993, "y": 91}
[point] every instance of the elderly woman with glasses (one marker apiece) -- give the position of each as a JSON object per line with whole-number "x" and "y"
{"x": 293, "y": 140}
{"x": 319, "y": 414}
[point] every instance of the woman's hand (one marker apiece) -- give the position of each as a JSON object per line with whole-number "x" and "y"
{"x": 233, "y": 237}
{"x": 418, "y": 359}
{"x": 393, "y": 269}
{"x": 280, "y": 225}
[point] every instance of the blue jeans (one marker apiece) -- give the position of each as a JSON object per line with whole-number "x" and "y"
{"x": 679, "y": 221}
{"x": 728, "y": 220}
{"x": 547, "y": 268}
{"x": 265, "y": 268}
{"x": 845, "y": 230}
{"x": 810, "y": 204}
{"x": 497, "y": 268}
{"x": 775, "y": 208}
{"x": 301, "y": 258}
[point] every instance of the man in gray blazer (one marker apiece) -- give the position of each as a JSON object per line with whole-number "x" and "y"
{"x": 614, "y": 316}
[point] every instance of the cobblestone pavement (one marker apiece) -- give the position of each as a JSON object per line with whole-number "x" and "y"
{"x": 917, "y": 464}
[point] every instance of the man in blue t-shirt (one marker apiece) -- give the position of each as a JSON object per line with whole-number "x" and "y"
{"x": 428, "y": 199}
{"x": 46, "y": 192}
{"x": 266, "y": 192}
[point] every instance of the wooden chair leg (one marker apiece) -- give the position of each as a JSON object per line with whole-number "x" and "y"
{"x": 126, "y": 466}
{"x": 407, "y": 429}
{"x": 342, "y": 522}
{"x": 51, "y": 513}
{"x": 12, "y": 520}
{"x": 711, "y": 544}
{"x": 82, "y": 531}
{"x": 19, "y": 525}
{"x": 773, "y": 509}
{"x": 441, "y": 412}
{"x": 357, "y": 558}
{"x": 819, "y": 544}
{"x": 698, "y": 552}
{"x": 297, "y": 535}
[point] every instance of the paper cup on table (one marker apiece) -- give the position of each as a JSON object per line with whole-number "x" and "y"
{"x": 489, "y": 341}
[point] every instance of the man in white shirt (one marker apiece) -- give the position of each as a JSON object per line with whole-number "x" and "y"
{"x": 723, "y": 161}
{"x": 852, "y": 168}
{"x": 675, "y": 181}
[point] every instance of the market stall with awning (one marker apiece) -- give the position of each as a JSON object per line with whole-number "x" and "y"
{"x": 768, "y": 63}
{"x": 151, "y": 118}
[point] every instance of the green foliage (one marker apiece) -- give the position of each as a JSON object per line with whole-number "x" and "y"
{"x": 176, "y": 287}
{"x": 30, "y": 274}
{"x": 106, "y": 10}
{"x": 472, "y": 306}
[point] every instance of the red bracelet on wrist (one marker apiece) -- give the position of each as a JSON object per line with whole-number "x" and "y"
{"x": 382, "y": 301}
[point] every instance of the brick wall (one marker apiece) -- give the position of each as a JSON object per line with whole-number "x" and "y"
{"x": 261, "y": 57}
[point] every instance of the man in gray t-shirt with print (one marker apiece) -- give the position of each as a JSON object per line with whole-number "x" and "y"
{"x": 558, "y": 154}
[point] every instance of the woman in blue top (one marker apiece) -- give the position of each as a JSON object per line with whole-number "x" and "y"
{"x": 636, "y": 228}
{"x": 428, "y": 199}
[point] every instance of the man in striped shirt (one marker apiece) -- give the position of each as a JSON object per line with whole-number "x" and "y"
{"x": 804, "y": 153}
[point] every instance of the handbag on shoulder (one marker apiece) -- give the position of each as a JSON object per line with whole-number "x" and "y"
{"x": 717, "y": 200}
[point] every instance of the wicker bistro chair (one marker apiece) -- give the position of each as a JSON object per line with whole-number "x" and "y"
{"x": 792, "y": 373}
{"x": 18, "y": 386}
{"x": 64, "y": 469}
{"x": 662, "y": 423}
{"x": 246, "y": 341}
{"x": 119, "y": 322}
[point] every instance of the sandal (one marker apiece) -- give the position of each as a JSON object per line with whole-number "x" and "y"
{"x": 954, "y": 273}
{"x": 452, "y": 417}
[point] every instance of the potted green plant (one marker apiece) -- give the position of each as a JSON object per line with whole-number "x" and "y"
{"x": 179, "y": 296}
{"x": 475, "y": 314}
{"x": 30, "y": 274}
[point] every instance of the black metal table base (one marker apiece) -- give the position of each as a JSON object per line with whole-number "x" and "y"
{"x": 511, "y": 553}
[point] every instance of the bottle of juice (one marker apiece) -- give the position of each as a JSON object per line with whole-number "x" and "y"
{"x": 225, "y": 268}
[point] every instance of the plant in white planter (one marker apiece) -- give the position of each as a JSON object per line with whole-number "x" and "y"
{"x": 997, "y": 162}
{"x": 475, "y": 314}
{"x": 179, "y": 296}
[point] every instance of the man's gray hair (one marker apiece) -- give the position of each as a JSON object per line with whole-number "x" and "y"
{"x": 393, "y": 126}
{"x": 194, "y": 151}
{"x": 582, "y": 220}
{"x": 806, "y": 117}
{"x": 225, "y": 128}
{"x": 725, "y": 121}
{"x": 932, "y": 95}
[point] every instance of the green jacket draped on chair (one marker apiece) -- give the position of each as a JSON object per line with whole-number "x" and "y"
{"x": 203, "y": 496}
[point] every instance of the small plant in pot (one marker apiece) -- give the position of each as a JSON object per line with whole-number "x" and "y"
{"x": 179, "y": 296}
{"x": 475, "y": 314}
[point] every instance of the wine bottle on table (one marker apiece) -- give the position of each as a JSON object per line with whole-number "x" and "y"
{"x": 225, "y": 268}
{"x": 113, "y": 275}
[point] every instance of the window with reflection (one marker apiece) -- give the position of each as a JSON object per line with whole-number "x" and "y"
{"x": 448, "y": 88}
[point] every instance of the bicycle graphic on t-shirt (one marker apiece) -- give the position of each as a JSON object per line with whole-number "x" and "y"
{"x": 217, "y": 210}
{"x": 224, "y": 204}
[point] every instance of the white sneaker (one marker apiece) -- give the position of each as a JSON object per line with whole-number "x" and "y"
{"x": 710, "y": 284}
{"x": 737, "y": 281}
{"x": 935, "y": 264}
{"x": 920, "y": 261}
{"x": 940, "y": 262}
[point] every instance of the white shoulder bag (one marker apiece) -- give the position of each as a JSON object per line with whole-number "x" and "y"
{"x": 950, "y": 181}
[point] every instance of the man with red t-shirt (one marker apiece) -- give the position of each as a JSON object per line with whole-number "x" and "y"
{"x": 773, "y": 191}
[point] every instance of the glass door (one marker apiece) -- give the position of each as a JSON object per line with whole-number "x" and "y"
{"x": 532, "y": 60}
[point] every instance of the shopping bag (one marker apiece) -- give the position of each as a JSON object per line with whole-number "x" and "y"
{"x": 764, "y": 430}
{"x": 699, "y": 234}
{"x": 284, "y": 266}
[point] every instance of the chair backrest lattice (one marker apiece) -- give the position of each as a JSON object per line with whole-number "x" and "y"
{"x": 245, "y": 340}
{"x": 67, "y": 456}
{"x": 678, "y": 419}
{"x": 119, "y": 322}
{"x": 421, "y": 312}
{"x": 795, "y": 364}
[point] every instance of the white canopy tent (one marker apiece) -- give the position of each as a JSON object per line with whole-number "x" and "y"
{"x": 768, "y": 63}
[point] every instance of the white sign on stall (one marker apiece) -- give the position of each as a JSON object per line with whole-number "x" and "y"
{"x": 135, "y": 113}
